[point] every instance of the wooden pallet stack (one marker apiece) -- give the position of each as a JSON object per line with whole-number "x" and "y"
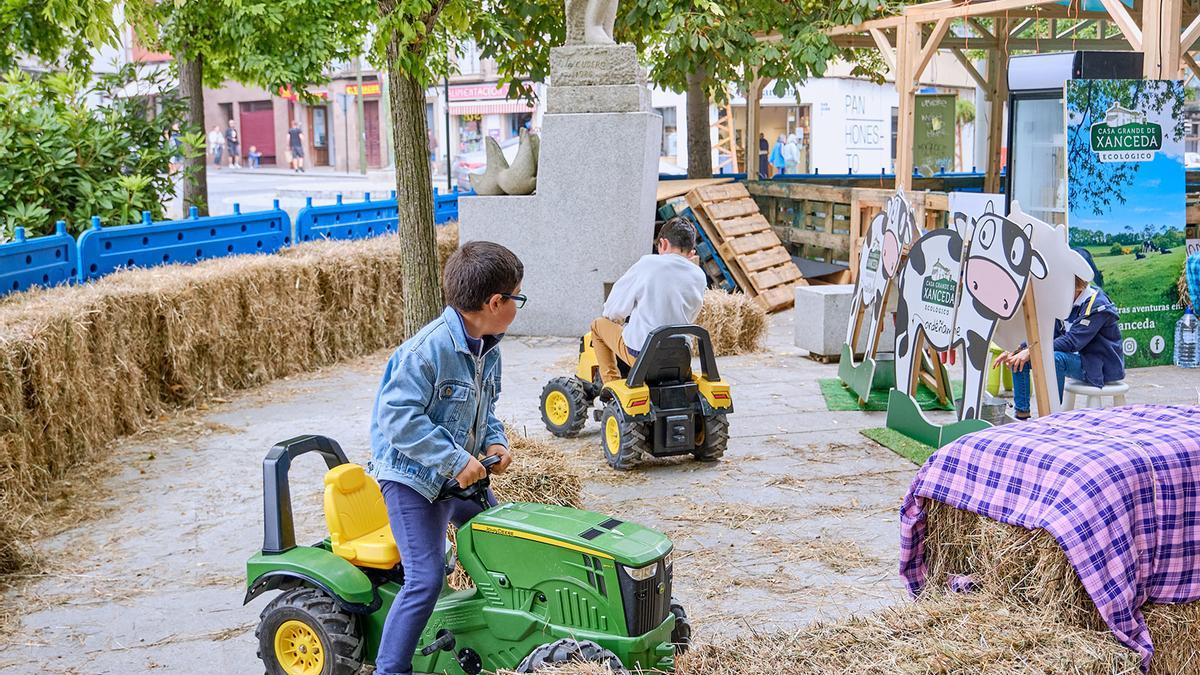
{"x": 747, "y": 243}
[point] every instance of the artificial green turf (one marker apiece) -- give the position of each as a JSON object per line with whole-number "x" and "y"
{"x": 914, "y": 451}
{"x": 841, "y": 399}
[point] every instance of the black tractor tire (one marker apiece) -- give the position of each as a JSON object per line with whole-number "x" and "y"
{"x": 338, "y": 633}
{"x": 681, "y": 636}
{"x": 567, "y": 650}
{"x": 622, "y": 441}
{"x": 569, "y": 421}
{"x": 713, "y": 437}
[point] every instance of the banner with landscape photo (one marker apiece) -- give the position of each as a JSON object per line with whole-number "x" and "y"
{"x": 1126, "y": 204}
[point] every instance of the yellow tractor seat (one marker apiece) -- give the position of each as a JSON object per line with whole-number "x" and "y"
{"x": 357, "y": 518}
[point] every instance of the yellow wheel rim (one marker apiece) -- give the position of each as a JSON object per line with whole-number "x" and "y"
{"x": 298, "y": 649}
{"x": 612, "y": 436}
{"x": 558, "y": 408}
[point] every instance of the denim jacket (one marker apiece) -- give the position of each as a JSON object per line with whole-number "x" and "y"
{"x": 426, "y": 403}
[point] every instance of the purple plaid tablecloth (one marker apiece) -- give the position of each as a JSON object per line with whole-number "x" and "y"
{"x": 1119, "y": 489}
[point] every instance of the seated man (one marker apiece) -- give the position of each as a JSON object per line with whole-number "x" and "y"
{"x": 1087, "y": 347}
{"x": 659, "y": 290}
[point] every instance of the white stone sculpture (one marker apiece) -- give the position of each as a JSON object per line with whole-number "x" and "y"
{"x": 591, "y": 21}
{"x": 498, "y": 178}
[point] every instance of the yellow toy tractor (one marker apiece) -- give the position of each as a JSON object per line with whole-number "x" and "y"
{"x": 661, "y": 408}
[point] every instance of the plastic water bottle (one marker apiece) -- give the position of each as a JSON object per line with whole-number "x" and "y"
{"x": 1187, "y": 334}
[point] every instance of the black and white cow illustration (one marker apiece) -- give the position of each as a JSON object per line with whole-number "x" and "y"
{"x": 924, "y": 309}
{"x": 868, "y": 267}
{"x": 998, "y": 264}
{"x": 896, "y": 231}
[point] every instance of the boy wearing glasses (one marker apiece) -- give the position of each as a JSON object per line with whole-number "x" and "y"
{"x": 658, "y": 290}
{"x": 433, "y": 416}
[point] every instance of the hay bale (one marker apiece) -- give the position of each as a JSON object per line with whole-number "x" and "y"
{"x": 736, "y": 323}
{"x": 447, "y": 242}
{"x": 1029, "y": 568}
{"x": 81, "y": 366}
{"x": 939, "y": 634}
{"x": 538, "y": 473}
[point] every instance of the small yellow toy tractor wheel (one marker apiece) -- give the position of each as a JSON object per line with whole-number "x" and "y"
{"x": 623, "y": 441}
{"x": 565, "y": 405}
{"x": 711, "y": 438}
{"x": 303, "y": 632}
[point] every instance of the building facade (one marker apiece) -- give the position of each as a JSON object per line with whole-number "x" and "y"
{"x": 328, "y": 117}
{"x": 842, "y": 123}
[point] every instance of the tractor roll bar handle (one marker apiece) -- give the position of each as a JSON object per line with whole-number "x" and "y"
{"x": 708, "y": 360}
{"x": 279, "y": 533}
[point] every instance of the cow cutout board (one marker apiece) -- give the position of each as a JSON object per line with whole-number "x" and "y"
{"x": 882, "y": 256}
{"x": 1055, "y": 295}
{"x": 957, "y": 284}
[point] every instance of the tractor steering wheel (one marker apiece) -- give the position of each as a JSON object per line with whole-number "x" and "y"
{"x": 476, "y": 491}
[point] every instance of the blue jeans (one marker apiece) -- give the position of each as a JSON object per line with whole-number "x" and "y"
{"x": 420, "y": 531}
{"x": 1066, "y": 364}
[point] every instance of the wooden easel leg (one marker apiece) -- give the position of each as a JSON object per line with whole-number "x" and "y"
{"x": 939, "y": 375}
{"x": 1038, "y": 374}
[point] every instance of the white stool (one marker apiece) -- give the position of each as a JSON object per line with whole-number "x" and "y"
{"x": 1095, "y": 395}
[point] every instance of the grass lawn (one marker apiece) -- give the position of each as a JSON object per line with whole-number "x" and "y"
{"x": 1134, "y": 283}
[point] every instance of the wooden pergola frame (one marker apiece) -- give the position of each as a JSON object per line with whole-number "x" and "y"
{"x": 1165, "y": 31}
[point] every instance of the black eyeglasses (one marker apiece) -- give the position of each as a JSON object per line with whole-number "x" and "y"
{"x": 515, "y": 297}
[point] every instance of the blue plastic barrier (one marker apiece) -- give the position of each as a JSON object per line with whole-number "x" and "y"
{"x": 357, "y": 220}
{"x": 445, "y": 206}
{"x": 105, "y": 249}
{"x": 41, "y": 261}
{"x": 368, "y": 218}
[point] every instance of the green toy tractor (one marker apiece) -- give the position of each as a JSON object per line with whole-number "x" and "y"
{"x": 551, "y": 585}
{"x": 660, "y": 409}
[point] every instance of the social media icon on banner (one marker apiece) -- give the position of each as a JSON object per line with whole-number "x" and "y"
{"x": 1129, "y": 346}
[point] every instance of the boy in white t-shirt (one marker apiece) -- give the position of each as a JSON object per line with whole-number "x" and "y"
{"x": 658, "y": 290}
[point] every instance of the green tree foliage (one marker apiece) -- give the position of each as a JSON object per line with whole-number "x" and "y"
{"x": 57, "y": 32}
{"x": 267, "y": 43}
{"x": 61, "y": 159}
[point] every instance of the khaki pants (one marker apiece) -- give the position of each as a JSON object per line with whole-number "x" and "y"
{"x": 609, "y": 346}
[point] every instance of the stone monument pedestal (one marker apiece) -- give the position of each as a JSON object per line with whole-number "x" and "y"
{"x": 592, "y": 215}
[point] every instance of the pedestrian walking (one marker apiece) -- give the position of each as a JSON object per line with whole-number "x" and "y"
{"x": 777, "y": 162}
{"x": 763, "y": 149}
{"x": 216, "y": 145}
{"x": 296, "y": 146}
{"x": 232, "y": 145}
{"x": 791, "y": 154}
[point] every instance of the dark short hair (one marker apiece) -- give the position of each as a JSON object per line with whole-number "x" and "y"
{"x": 477, "y": 271}
{"x": 679, "y": 232}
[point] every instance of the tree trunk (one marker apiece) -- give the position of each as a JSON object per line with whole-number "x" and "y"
{"x": 699, "y": 133}
{"x": 419, "y": 272}
{"x": 195, "y": 176}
